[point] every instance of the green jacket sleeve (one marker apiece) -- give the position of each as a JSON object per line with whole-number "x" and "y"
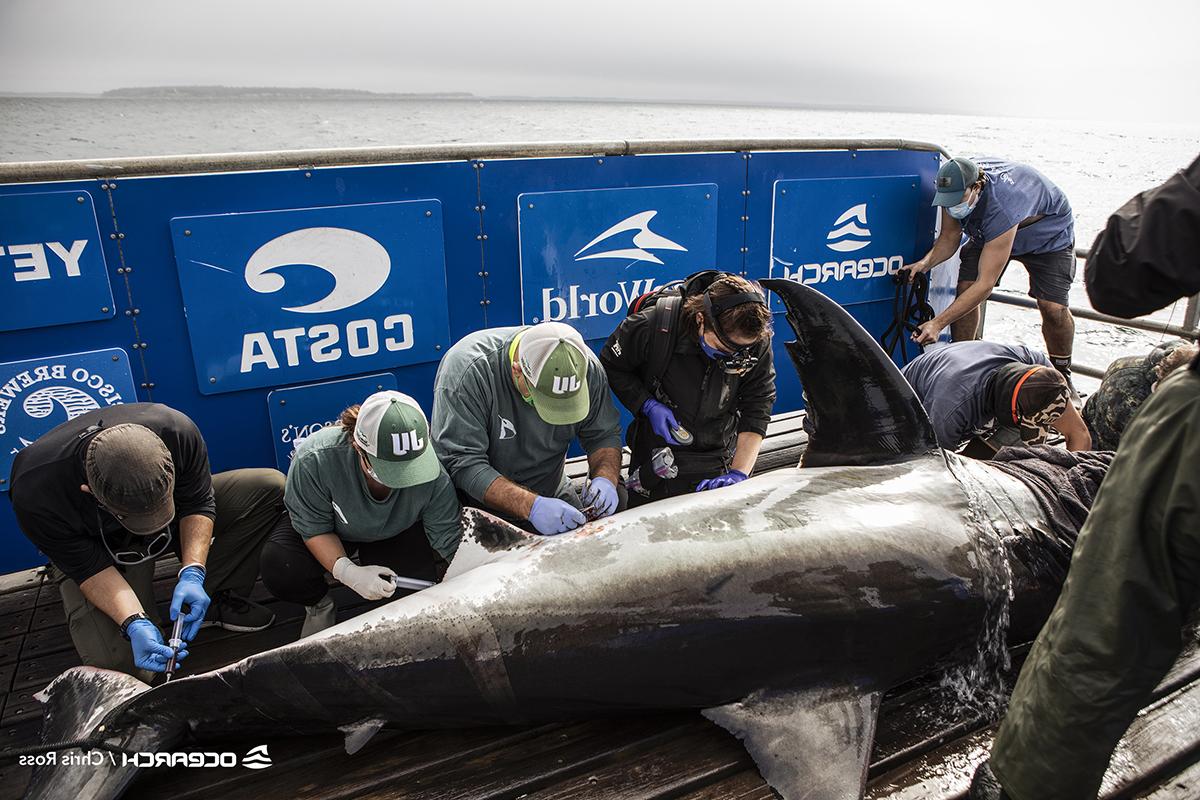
{"x": 460, "y": 433}
{"x": 308, "y": 501}
{"x": 441, "y": 518}
{"x": 602, "y": 426}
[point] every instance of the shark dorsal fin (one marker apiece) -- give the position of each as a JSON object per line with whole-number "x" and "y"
{"x": 862, "y": 409}
{"x": 485, "y": 539}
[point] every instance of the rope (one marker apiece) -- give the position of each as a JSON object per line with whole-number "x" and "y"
{"x": 910, "y": 310}
{"x": 82, "y": 744}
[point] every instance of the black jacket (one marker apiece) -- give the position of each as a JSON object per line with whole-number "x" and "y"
{"x": 1147, "y": 254}
{"x": 62, "y": 520}
{"x": 712, "y": 405}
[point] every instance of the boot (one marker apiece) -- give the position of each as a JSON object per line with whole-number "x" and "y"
{"x": 319, "y": 617}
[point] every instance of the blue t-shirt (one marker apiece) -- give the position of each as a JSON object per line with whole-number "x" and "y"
{"x": 1013, "y": 193}
{"x": 952, "y": 383}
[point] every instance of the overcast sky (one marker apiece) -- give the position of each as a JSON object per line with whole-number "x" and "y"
{"x": 1104, "y": 59}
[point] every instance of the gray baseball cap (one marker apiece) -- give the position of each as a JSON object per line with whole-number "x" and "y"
{"x": 130, "y": 472}
{"x": 953, "y": 179}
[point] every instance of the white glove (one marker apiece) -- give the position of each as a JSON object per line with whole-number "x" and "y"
{"x": 370, "y": 582}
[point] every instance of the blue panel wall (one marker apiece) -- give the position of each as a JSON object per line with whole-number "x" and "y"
{"x": 481, "y": 229}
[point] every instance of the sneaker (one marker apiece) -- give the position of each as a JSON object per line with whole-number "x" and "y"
{"x": 319, "y": 617}
{"x": 235, "y": 613}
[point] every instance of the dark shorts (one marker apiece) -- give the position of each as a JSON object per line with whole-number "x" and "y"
{"x": 1050, "y": 274}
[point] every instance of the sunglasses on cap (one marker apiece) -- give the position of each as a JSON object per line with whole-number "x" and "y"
{"x": 128, "y": 558}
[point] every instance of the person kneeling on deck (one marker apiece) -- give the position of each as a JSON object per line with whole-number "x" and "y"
{"x": 994, "y": 395}
{"x": 1008, "y": 211}
{"x": 694, "y": 363}
{"x": 371, "y": 484}
{"x": 507, "y": 404}
{"x": 1128, "y": 382}
{"x": 108, "y": 492}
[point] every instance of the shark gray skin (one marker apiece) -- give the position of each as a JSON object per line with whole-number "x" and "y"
{"x": 782, "y": 607}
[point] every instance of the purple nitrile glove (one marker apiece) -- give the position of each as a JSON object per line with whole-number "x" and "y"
{"x": 601, "y": 494}
{"x": 551, "y": 516}
{"x": 728, "y": 479}
{"x": 149, "y": 652}
{"x": 662, "y": 419}
{"x": 190, "y": 590}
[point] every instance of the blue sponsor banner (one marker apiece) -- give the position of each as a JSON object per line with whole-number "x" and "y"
{"x": 52, "y": 268}
{"x": 301, "y": 411}
{"x": 845, "y": 237}
{"x": 275, "y": 297}
{"x": 39, "y": 393}
{"x": 586, "y": 254}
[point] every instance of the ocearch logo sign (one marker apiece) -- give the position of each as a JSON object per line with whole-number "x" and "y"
{"x": 288, "y": 296}
{"x": 847, "y": 235}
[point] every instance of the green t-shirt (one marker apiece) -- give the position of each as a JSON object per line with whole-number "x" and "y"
{"x": 482, "y": 428}
{"x": 326, "y": 492}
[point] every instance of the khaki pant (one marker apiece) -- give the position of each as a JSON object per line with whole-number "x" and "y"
{"x": 249, "y": 501}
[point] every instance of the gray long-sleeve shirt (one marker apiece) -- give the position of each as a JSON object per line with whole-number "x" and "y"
{"x": 482, "y": 428}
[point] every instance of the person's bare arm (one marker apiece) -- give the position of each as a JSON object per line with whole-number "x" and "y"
{"x": 108, "y": 591}
{"x": 510, "y": 498}
{"x": 945, "y": 246}
{"x": 195, "y": 537}
{"x": 605, "y": 463}
{"x": 992, "y": 258}
{"x": 1072, "y": 426}
{"x": 326, "y": 549}
{"x": 746, "y": 453}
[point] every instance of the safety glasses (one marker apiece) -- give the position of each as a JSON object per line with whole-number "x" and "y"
{"x": 128, "y": 558}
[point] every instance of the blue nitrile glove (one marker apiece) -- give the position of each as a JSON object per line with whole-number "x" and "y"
{"x": 190, "y": 590}
{"x": 662, "y": 419}
{"x": 728, "y": 479}
{"x": 551, "y": 515}
{"x": 602, "y": 496}
{"x": 149, "y": 652}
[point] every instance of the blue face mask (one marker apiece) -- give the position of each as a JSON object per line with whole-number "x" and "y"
{"x": 712, "y": 353}
{"x": 962, "y": 210}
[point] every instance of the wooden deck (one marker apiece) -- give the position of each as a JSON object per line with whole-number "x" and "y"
{"x": 926, "y": 747}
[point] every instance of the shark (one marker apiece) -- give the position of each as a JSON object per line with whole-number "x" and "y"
{"x": 780, "y": 608}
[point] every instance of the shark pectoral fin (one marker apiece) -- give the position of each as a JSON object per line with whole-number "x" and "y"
{"x": 361, "y": 732}
{"x": 813, "y": 744}
{"x": 485, "y": 539}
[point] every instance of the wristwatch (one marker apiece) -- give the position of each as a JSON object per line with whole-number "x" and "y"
{"x": 132, "y": 618}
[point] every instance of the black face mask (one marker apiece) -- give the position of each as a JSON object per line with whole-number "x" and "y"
{"x": 737, "y": 359}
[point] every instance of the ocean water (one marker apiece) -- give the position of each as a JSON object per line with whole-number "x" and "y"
{"x": 1098, "y": 165}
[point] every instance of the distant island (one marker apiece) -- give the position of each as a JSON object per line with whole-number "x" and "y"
{"x": 270, "y": 92}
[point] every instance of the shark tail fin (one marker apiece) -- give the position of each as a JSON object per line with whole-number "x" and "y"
{"x": 80, "y": 705}
{"x": 862, "y": 409}
{"x": 485, "y": 539}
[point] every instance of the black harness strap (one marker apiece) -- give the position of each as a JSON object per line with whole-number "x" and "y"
{"x": 910, "y": 310}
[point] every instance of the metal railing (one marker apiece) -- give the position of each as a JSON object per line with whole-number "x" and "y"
{"x": 1188, "y": 330}
{"x": 29, "y": 171}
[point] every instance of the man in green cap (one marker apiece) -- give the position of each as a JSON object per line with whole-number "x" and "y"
{"x": 1009, "y": 211}
{"x": 507, "y": 404}
{"x": 372, "y": 486}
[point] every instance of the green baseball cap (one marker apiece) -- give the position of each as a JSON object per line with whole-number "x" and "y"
{"x": 394, "y": 434}
{"x": 953, "y": 178}
{"x": 553, "y": 359}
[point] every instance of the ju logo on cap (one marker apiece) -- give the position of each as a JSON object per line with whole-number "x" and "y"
{"x": 554, "y": 362}
{"x": 393, "y": 433}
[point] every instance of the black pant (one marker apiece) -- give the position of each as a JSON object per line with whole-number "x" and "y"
{"x": 693, "y": 466}
{"x": 291, "y": 573}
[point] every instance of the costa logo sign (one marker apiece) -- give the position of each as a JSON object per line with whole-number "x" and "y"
{"x": 284, "y": 296}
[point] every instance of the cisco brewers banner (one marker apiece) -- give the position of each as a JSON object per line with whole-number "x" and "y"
{"x": 586, "y": 254}
{"x": 279, "y": 297}
{"x": 845, "y": 237}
